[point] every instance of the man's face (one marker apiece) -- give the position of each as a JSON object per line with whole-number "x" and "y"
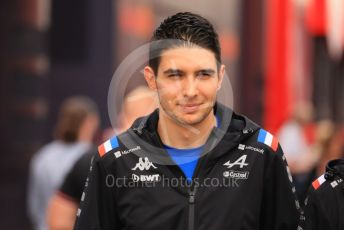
{"x": 187, "y": 83}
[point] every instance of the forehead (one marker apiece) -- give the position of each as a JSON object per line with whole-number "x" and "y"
{"x": 187, "y": 58}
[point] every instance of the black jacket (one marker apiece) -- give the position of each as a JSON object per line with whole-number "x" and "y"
{"x": 73, "y": 183}
{"x": 324, "y": 207}
{"x": 239, "y": 184}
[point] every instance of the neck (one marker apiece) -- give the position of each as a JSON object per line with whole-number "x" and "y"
{"x": 184, "y": 136}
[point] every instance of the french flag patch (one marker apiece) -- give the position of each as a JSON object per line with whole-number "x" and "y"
{"x": 108, "y": 146}
{"x": 267, "y": 138}
{"x": 316, "y": 184}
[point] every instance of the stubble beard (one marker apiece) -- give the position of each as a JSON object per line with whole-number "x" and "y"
{"x": 181, "y": 121}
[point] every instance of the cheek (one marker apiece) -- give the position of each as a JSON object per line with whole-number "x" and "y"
{"x": 208, "y": 90}
{"x": 168, "y": 90}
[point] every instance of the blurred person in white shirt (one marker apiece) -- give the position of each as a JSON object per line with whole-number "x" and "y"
{"x": 77, "y": 123}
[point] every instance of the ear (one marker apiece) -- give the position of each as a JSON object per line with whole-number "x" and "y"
{"x": 150, "y": 77}
{"x": 221, "y": 75}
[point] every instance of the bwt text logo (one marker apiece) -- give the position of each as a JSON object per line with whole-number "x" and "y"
{"x": 145, "y": 178}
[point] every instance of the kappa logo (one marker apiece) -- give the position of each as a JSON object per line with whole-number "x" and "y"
{"x": 241, "y": 161}
{"x": 124, "y": 152}
{"x": 145, "y": 178}
{"x": 143, "y": 165}
{"x": 243, "y": 147}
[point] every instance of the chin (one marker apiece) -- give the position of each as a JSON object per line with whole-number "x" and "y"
{"x": 183, "y": 118}
{"x": 191, "y": 119}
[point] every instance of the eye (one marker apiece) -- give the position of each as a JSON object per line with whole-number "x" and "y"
{"x": 174, "y": 75}
{"x": 203, "y": 75}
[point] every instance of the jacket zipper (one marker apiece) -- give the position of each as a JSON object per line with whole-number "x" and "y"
{"x": 192, "y": 196}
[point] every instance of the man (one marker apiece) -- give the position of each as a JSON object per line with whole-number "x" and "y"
{"x": 77, "y": 123}
{"x": 325, "y": 202}
{"x": 188, "y": 165}
{"x": 63, "y": 206}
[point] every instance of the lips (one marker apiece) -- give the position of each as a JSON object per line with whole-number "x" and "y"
{"x": 190, "y": 108}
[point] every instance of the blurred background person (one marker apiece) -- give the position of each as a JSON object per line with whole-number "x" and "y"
{"x": 329, "y": 145}
{"x": 77, "y": 123}
{"x": 296, "y": 137}
{"x": 63, "y": 206}
{"x": 324, "y": 206}
{"x": 138, "y": 102}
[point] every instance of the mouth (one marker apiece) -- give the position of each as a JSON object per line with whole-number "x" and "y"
{"x": 190, "y": 108}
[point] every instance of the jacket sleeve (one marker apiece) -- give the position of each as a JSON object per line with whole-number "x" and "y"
{"x": 316, "y": 217}
{"x": 280, "y": 208}
{"x": 97, "y": 208}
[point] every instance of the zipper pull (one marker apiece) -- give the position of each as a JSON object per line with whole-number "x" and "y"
{"x": 192, "y": 210}
{"x": 191, "y": 197}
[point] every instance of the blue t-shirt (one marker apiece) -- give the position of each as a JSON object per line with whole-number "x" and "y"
{"x": 186, "y": 159}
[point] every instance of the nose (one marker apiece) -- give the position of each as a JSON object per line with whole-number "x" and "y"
{"x": 190, "y": 87}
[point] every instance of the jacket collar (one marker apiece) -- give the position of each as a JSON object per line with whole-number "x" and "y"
{"x": 335, "y": 168}
{"x": 233, "y": 129}
{"x": 229, "y": 121}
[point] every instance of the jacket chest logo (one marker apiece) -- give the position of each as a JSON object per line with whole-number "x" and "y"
{"x": 144, "y": 164}
{"x": 236, "y": 175}
{"x": 241, "y": 161}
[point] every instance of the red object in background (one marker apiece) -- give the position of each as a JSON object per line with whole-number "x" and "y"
{"x": 230, "y": 44}
{"x": 277, "y": 47}
{"x": 136, "y": 20}
{"x": 316, "y": 17}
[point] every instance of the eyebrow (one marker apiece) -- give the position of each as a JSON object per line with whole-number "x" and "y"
{"x": 173, "y": 71}
{"x": 207, "y": 71}
{"x": 177, "y": 71}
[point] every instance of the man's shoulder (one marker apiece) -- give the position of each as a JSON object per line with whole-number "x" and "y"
{"x": 323, "y": 186}
{"x": 326, "y": 193}
{"x": 108, "y": 146}
{"x": 111, "y": 145}
{"x": 332, "y": 180}
{"x": 260, "y": 137}
{"x": 116, "y": 147}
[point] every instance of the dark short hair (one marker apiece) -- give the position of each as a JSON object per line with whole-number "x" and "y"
{"x": 72, "y": 114}
{"x": 183, "y": 29}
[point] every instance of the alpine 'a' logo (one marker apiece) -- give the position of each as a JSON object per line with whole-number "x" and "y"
{"x": 144, "y": 165}
{"x": 240, "y": 161}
